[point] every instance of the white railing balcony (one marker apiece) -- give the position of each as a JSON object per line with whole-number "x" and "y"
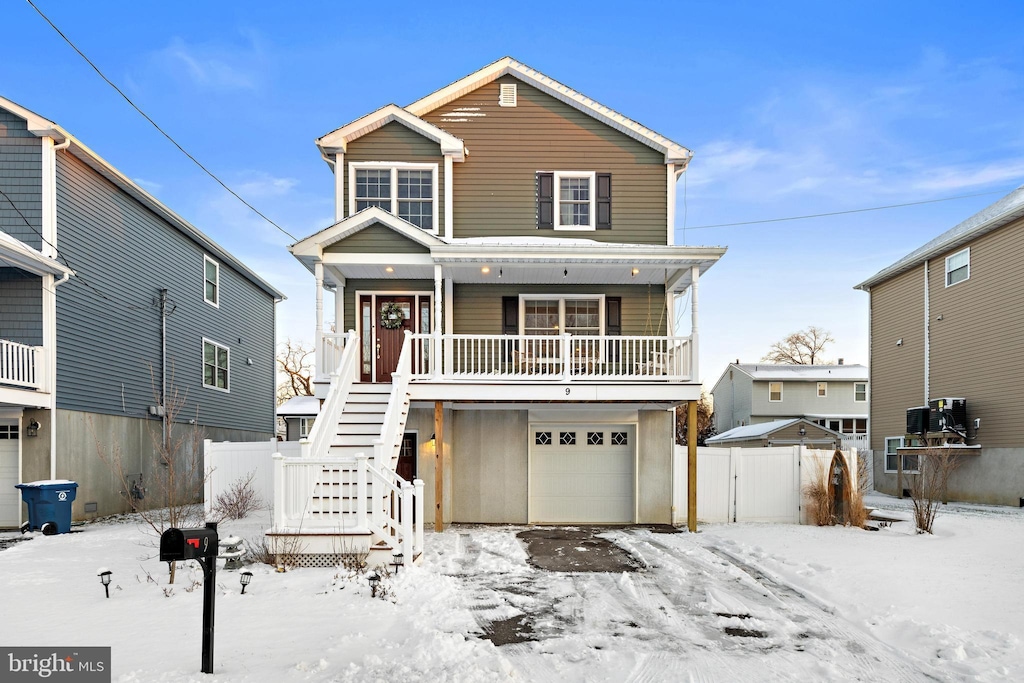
{"x": 22, "y": 365}
{"x": 563, "y": 357}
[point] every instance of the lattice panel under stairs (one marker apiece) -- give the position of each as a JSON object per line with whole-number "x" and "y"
{"x": 323, "y": 560}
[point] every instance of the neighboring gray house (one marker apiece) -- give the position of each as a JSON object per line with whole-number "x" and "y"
{"x": 106, "y": 295}
{"x": 298, "y": 414}
{"x": 833, "y": 396}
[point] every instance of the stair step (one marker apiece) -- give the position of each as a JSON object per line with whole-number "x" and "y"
{"x": 363, "y": 440}
{"x": 354, "y": 428}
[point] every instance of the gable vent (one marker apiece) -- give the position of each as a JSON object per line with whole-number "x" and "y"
{"x": 507, "y": 95}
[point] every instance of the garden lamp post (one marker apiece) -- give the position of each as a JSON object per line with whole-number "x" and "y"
{"x": 244, "y": 578}
{"x": 374, "y": 580}
{"x": 104, "y": 575}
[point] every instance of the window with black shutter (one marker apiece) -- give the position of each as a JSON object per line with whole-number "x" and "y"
{"x": 545, "y": 201}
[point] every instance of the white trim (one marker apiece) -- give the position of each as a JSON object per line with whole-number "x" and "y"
{"x": 338, "y": 139}
{"x": 339, "y": 186}
{"x": 561, "y": 298}
{"x": 860, "y": 400}
{"x": 670, "y": 217}
{"x": 216, "y": 284}
{"x": 449, "y": 193}
{"x": 949, "y": 272}
{"x": 203, "y": 366}
{"x": 395, "y": 166}
{"x": 591, "y": 177}
{"x": 770, "y": 399}
{"x": 821, "y": 390}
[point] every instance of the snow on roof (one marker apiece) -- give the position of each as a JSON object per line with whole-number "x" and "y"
{"x": 299, "y": 405}
{"x": 754, "y": 431}
{"x": 992, "y": 217}
{"x": 804, "y": 373}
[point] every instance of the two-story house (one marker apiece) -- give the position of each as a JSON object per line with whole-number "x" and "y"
{"x": 110, "y": 302}
{"x": 943, "y": 326}
{"x": 832, "y": 396}
{"x": 504, "y": 262}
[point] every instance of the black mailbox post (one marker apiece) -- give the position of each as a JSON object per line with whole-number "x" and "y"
{"x": 200, "y": 545}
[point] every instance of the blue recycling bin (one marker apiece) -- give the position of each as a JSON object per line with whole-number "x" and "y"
{"x": 49, "y": 504}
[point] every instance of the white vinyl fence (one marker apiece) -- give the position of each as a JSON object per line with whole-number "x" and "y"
{"x": 749, "y": 484}
{"x": 225, "y": 462}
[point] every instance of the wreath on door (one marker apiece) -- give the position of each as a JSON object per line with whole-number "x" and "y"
{"x": 391, "y": 316}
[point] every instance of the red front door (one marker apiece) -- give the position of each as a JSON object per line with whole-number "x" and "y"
{"x": 385, "y": 320}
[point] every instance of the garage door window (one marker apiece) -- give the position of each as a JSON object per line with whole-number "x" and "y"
{"x": 8, "y": 431}
{"x": 620, "y": 439}
{"x": 595, "y": 438}
{"x": 567, "y": 438}
{"x": 542, "y": 438}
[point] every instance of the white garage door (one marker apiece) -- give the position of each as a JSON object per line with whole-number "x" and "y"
{"x": 582, "y": 474}
{"x": 10, "y": 497}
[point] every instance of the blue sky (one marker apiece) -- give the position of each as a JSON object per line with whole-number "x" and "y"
{"x": 791, "y": 108}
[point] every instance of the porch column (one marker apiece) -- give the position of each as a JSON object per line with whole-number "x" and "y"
{"x": 691, "y": 465}
{"x": 438, "y": 466}
{"x": 694, "y": 370}
{"x": 436, "y": 370}
{"x": 449, "y": 324}
{"x": 318, "y": 271}
{"x": 670, "y": 306}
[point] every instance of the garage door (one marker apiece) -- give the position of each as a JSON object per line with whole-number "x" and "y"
{"x": 582, "y": 474}
{"x": 10, "y": 497}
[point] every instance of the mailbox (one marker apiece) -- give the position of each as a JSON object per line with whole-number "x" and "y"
{"x": 188, "y": 544}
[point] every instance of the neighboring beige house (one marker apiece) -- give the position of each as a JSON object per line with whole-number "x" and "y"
{"x": 504, "y": 256}
{"x": 792, "y": 432}
{"x": 835, "y": 397}
{"x": 944, "y": 323}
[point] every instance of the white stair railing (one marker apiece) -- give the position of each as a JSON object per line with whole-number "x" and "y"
{"x": 325, "y": 426}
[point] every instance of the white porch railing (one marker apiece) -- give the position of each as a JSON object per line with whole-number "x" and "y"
{"x": 553, "y": 357}
{"x": 332, "y": 346}
{"x": 21, "y": 365}
{"x": 347, "y": 495}
{"x": 386, "y": 447}
{"x": 325, "y": 426}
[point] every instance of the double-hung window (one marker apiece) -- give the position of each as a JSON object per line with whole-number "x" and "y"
{"x": 211, "y": 281}
{"x": 578, "y": 315}
{"x": 958, "y": 267}
{"x": 860, "y": 391}
{"x": 891, "y": 462}
{"x": 822, "y": 389}
{"x": 574, "y": 201}
{"x": 216, "y": 364}
{"x": 774, "y": 392}
{"x": 305, "y": 424}
{"x": 406, "y": 190}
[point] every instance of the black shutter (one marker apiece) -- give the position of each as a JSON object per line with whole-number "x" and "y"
{"x": 509, "y": 324}
{"x": 546, "y": 201}
{"x": 613, "y": 324}
{"x": 604, "y": 201}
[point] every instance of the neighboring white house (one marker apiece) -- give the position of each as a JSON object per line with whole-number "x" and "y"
{"x": 833, "y": 396}
{"x": 298, "y": 414}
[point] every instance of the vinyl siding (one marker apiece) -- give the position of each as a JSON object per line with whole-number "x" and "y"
{"x": 478, "y": 307}
{"x": 395, "y": 142}
{"x": 896, "y": 372}
{"x": 108, "y": 318}
{"x": 21, "y": 307}
{"x": 21, "y": 164}
{"x": 376, "y": 239}
{"x": 494, "y": 188}
{"x": 977, "y": 346}
{"x": 732, "y": 401}
{"x": 801, "y": 399}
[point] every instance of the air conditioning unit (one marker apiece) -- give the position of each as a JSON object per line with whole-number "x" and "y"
{"x": 947, "y": 415}
{"x": 917, "y": 420}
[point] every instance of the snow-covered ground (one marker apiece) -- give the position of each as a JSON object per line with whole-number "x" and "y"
{"x": 739, "y": 602}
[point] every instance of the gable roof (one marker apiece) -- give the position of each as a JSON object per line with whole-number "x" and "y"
{"x": 299, "y": 406}
{"x": 308, "y": 249}
{"x": 802, "y": 373}
{"x": 15, "y": 253}
{"x": 673, "y": 151}
{"x": 765, "y": 429}
{"x": 338, "y": 139}
{"x": 992, "y": 217}
{"x": 41, "y": 127}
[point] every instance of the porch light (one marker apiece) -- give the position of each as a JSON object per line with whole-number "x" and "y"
{"x": 244, "y": 578}
{"x": 433, "y": 437}
{"x": 389, "y": 269}
{"x": 636, "y": 271}
{"x": 374, "y": 580}
{"x": 104, "y": 575}
{"x": 802, "y": 432}
{"x": 565, "y": 273}
{"x": 485, "y": 270}
{"x": 499, "y": 273}
{"x": 32, "y": 429}
{"x": 399, "y": 558}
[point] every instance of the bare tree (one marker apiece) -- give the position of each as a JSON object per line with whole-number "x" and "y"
{"x": 295, "y": 364}
{"x": 800, "y": 348}
{"x": 928, "y": 486}
{"x": 705, "y": 421}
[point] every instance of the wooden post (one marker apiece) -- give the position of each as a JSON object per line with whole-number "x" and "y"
{"x": 691, "y": 465}
{"x": 438, "y": 466}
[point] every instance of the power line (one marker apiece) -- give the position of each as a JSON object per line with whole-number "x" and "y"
{"x": 840, "y": 213}
{"x": 154, "y": 124}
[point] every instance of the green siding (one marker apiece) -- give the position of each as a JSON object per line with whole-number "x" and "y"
{"x": 395, "y": 142}
{"x": 494, "y": 189}
{"x": 377, "y": 239}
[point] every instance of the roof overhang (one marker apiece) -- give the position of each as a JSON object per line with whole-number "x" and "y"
{"x": 43, "y": 128}
{"x": 673, "y": 151}
{"x": 16, "y": 254}
{"x": 338, "y": 140}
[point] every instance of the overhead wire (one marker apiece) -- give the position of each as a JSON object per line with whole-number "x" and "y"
{"x": 155, "y": 125}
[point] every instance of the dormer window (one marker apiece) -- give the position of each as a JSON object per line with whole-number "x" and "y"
{"x": 405, "y": 189}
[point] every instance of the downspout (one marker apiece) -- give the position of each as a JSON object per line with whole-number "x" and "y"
{"x": 927, "y": 336}
{"x": 49, "y": 248}
{"x": 163, "y": 368}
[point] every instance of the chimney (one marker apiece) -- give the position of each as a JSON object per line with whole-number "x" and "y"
{"x": 840, "y": 361}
